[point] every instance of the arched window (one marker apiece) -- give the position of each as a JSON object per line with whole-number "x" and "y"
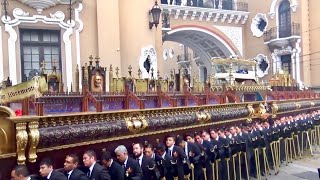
{"x": 284, "y": 19}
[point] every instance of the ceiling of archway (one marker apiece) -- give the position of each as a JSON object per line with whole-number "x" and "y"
{"x": 205, "y": 45}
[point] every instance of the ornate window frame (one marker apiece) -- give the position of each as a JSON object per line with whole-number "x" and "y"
{"x": 259, "y": 58}
{"x": 57, "y": 18}
{"x": 255, "y": 22}
{"x": 275, "y": 5}
{"x": 151, "y": 52}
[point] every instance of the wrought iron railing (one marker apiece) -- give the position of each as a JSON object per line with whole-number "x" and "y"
{"x": 215, "y": 4}
{"x": 282, "y": 32}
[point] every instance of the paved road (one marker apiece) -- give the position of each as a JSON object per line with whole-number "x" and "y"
{"x": 301, "y": 169}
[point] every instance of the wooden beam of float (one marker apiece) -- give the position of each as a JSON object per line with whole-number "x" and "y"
{"x": 29, "y": 135}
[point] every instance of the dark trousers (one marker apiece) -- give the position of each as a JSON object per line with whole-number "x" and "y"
{"x": 209, "y": 171}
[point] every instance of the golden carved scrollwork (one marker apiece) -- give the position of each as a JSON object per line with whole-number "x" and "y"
{"x": 33, "y": 140}
{"x": 21, "y": 140}
{"x": 203, "y": 116}
{"x": 312, "y": 104}
{"x": 261, "y": 110}
{"x": 136, "y": 122}
{"x": 248, "y": 120}
{"x": 298, "y": 106}
{"x": 3, "y": 138}
{"x": 275, "y": 109}
{"x": 250, "y": 109}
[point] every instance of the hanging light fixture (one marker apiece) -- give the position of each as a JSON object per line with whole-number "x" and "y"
{"x": 154, "y": 15}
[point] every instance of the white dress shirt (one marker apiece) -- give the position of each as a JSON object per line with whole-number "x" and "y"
{"x": 69, "y": 173}
{"x": 90, "y": 169}
{"x": 48, "y": 177}
{"x": 140, "y": 159}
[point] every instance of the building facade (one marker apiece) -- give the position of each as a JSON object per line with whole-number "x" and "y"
{"x": 281, "y": 35}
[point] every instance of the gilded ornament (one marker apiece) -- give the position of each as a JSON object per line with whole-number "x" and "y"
{"x": 136, "y": 122}
{"x": 250, "y": 109}
{"x": 33, "y": 140}
{"x": 203, "y": 116}
{"x": 4, "y": 139}
{"x": 275, "y": 109}
{"x": 22, "y": 140}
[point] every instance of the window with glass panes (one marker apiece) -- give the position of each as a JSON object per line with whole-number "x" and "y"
{"x": 38, "y": 46}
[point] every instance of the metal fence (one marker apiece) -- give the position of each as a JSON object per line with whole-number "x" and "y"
{"x": 215, "y": 4}
{"x": 282, "y": 31}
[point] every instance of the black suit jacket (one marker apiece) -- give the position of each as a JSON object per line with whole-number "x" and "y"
{"x": 132, "y": 170}
{"x": 56, "y": 175}
{"x": 148, "y": 166}
{"x": 195, "y": 159}
{"x": 77, "y": 175}
{"x": 116, "y": 171}
{"x": 178, "y": 161}
{"x": 165, "y": 166}
{"x": 99, "y": 173}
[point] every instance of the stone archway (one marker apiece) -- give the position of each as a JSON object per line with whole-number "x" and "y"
{"x": 205, "y": 42}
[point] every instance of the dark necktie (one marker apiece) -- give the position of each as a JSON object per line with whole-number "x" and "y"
{"x": 169, "y": 152}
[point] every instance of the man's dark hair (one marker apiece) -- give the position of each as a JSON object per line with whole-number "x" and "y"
{"x": 179, "y": 140}
{"x": 46, "y": 161}
{"x": 139, "y": 143}
{"x": 196, "y": 134}
{"x": 187, "y": 135}
{"x": 75, "y": 158}
{"x": 21, "y": 170}
{"x": 161, "y": 147}
{"x": 106, "y": 156}
{"x": 171, "y": 136}
{"x": 149, "y": 145}
{"x": 91, "y": 153}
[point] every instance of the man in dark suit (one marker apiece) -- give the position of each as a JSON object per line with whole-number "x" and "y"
{"x": 149, "y": 152}
{"x": 178, "y": 155}
{"x": 46, "y": 171}
{"x": 20, "y": 172}
{"x": 71, "y": 164}
{"x": 193, "y": 154}
{"x": 164, "y": 163}
{"x": 204, "y": 140}
{"x": 132, "y": 169}
{"x": 146, "y": 163}
{"x": 116, "y": 171}
{"x": 96, "y": 171}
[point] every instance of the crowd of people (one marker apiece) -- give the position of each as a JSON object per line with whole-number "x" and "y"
{"x": 234, "y": 152}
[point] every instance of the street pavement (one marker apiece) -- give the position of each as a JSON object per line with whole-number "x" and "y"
{"x": 305, "y": 168}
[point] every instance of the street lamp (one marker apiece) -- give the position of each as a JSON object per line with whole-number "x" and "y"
{"x": 154, "y": 15}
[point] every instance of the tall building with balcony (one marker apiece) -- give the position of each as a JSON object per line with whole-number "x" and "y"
{"x": 281, "y": 35}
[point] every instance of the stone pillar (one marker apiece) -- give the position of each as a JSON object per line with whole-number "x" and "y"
{"x": 135, "y": 35}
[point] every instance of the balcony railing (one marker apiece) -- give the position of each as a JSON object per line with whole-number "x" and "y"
{"x": 215, "y": 4}
{"x": 282, "y": 32}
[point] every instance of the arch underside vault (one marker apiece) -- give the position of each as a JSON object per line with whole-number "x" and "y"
{"x": 203, "y": 44}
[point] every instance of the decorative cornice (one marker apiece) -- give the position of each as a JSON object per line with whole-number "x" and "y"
{"x": 185, "y": 12}
{"x": 40, "y": 5}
